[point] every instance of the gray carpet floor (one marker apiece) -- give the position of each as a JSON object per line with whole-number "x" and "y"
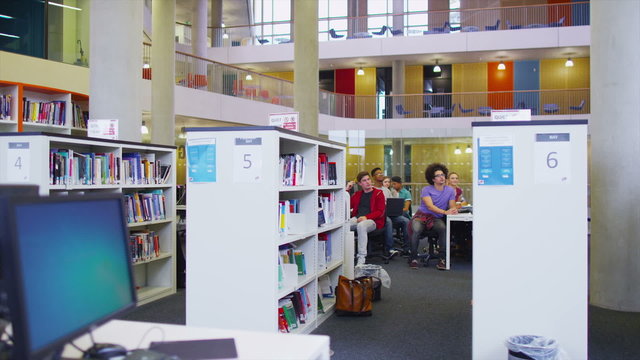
{"x": 426, "y": 314}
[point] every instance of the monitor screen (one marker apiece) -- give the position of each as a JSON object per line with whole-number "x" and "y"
{"x": 72, "y": 268}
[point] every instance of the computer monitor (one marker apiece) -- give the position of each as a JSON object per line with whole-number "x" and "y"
{"x": 8, "y": 191}
{"x": 70, "y": 269}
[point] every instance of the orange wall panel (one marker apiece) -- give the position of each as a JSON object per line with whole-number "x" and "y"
{"x": 500, "y": 80}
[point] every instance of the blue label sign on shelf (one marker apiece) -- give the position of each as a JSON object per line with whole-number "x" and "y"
{"x": 552, "y": 158}
{"x": 247, "y": 160}
{"x": 201, "y": 160}
{"x": 495, "y": 160}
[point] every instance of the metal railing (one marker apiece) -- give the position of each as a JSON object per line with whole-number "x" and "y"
{"x": 415, "y": 23}
{"x": 207, "y": 75}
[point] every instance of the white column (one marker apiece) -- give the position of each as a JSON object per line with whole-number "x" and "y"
{"x": 163, "y": 79}
{"x": 305, "y": 65}
{"x": 398, "y": 20}
{"x": 116, "y": 64}
{"x": 615, "y": 90}
{"x": 216, "y": 23}
{"x": 199, "y": 28}
{"x": 397, "y": 81}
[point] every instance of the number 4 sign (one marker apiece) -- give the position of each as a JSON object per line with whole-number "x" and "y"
{"x": 552, "y": 158}
{"x": 247, "y": 160}
{"x": 18, "y": 164}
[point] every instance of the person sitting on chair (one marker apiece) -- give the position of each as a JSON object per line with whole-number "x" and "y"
{"x": 402, "y": 222}
{"x": 367, "y": 212}
{"x": 437, "y": 200}
{"x": 452, "y": 180}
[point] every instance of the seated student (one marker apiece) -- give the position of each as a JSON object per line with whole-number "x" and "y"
{"x": 367, "y": 212}
{"x": 377, "y": 179}
{"x": 402, "y": 222}
{"x": 452, "y": 180}
{"x": 437, "y": 200}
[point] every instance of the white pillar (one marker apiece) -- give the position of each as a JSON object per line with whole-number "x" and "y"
{"x": 116, "y": 64}
{"x": 615, "y": 90}
{"x": 163, "y": 81}
{"x": 397, "y": 81}
{"x": 199, "y": 28}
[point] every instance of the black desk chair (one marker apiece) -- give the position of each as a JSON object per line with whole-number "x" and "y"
{"x": 430, "y": 252}
{"x": 376, "y": 247}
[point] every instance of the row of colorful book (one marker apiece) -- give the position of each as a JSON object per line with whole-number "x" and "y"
{"x": 49, "y": 112}
{"x": 294, "y": 310}
{"x": 144, "y": 245}
{"x": 326, "y": 208}
{"x": 80, "y": 117}
{"x": 324, "y": 250}
{"x": 292, "y": 169}
{"x": 5, "y": 106}
{"x": 68, "y": 167}
{"x": 327, "y": 173}
{"x": 285, "y": 209}
{"x": 139, "y": 168}
{"x": 289, "y": 255}
{"x": 145, "y": 206}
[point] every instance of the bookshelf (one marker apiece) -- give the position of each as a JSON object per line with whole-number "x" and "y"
{"x": 234, "y": 236}
{"x": 39, "y": 158}
{"x": 40, "y": 108}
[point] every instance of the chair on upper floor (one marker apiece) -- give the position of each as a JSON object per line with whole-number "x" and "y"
{"x": 463, "y": 110}
{"x": 262, "y": 41}
{"x": 396, "y": 32}
{"x": 334, "y": 35}
{"x": 579, "y": 107}
{"x": 513, "y": 27}
{"x": 447, "y": 112}
{"x": 401, "y": 111}
{"x": 484, "y": 110}
{"x": 493, "y": 27}
{"x": 556, "y": 23}
{"x": 439, "y": 30}
{"x": 551, "y": 108}
{"x": 382, "y": 30}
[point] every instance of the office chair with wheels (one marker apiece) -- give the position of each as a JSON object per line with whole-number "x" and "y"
{"x": 431, "y": 250}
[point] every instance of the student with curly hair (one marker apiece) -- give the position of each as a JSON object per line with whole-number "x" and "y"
{"x": 437, "y": 200}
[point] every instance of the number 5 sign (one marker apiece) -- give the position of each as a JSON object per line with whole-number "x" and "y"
{"x": 247, "y": 160}
{"x": 552, "y": 158}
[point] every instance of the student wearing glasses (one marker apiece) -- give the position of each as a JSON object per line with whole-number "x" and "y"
{"x": 437, "y": 200}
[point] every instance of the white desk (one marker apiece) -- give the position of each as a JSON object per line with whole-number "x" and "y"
{"x": 249, "y": 344}
{"x": 450, "y": 218}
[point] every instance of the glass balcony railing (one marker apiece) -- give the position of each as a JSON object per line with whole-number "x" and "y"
{"x": 415, "y": 23}
{"x": 207, "y": 75}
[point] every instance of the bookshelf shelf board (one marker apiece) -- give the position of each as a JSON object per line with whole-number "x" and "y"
{"x": 160, "y": 257}
{"x": 286, "y": 290}
{"x": 294, "y": 237}
{"x": 149, "y": 294}
{"x": 8, "y": 122}
{"x": 181, "y": 207}
{"x": 296, "y": 188}
{"x": 330, "y": 187}
{"x": 304, "y": 328}
{"x": 79, "y": 129}
{"x": 329, "y": 227}
{"x": 328, "y": 305}
{"x": 305, "y": 279}
{"x": 332, "y": 266}
{"x": 147, "y": 223}
{"x": 145, "y": 186}
{"x": 41, "y": 125}
{"x": 81, "y": 187}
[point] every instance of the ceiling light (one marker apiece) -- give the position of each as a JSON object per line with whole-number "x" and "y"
{"x": 6, "y": 16}
{"x": 248, "y": 77}
{"x": 9, "y": 35}
{"x": 360, "y": 71}
{"x": 64, "y": 6}
{"x": 144, "y": 129}
{"x": 225, "y": 36}
{"x": 457, "y": 151}
{"x": 146, "y": 66}
{"x": 468, "y": 150}
{"x": 569, "y": 63}
{"x": 501, "y": 66}
{"x": 437, "y": 67}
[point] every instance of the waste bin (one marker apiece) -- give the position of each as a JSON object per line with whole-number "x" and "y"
{"x": 531, "y": 347}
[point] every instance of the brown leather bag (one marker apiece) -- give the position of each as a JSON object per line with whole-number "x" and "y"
{"x": 353, "y": 297}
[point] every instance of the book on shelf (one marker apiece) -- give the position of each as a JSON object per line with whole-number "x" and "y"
{"x": 286, "y": 304}
{"x": 285, "y": 209}
{"x": 320, "y": 305}
{"x": 283, "y": 325}
{"x": 145, "y": 245}
{"x": 69, "y": 167}
{"x": 322, "y": 259}
{"x": 324, "y": 284}
{"x": 323, "y": 171}
{"x": 292, "y": 169}
{"x": 80, "y": 117}
{"x": 325, "y": 239}
{"x": 298, "y": 257}
{"x": 332, "y": 173}
{"x": 145, "y": 206}
{"x": 5, "y": 106}
{"x": 326, "y": 204}
{"x": 48, "y": 112}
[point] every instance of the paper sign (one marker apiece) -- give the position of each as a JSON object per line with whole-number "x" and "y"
{"x": 511, "y": 115}
{"x": 552, "y": 162}
{"x": 201, "y": 160}
{"x": 495, "y": 160}
{"x": 18, "y": 162}
{"x": 247, "y": 160}
{"x": 103, "y": 128}
{"x": 287, "y": 121}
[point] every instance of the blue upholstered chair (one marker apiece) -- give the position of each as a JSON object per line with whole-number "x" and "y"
{"x": 551, "y": 108}
{"x": 484, "y": 110}
{"x": 513, "y": 27}
{"x": 493, "y": 27}
{"x": 557, "y": 23}
{"x": 463, "y": 110}
{"x": 333, "y": 34}
{"x": 382, "y": 30}
{"x": 401, "y": 111}
{"x": 579, "y": 107}
{"x": 396, "y": 32}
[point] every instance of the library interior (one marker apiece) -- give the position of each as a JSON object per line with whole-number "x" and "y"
{"x": 405, "y": 179}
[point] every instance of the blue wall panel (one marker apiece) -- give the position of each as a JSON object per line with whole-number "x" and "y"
{"x": 526, "y": 76}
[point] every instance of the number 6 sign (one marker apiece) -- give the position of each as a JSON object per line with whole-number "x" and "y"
{"x": 552, "y": 158}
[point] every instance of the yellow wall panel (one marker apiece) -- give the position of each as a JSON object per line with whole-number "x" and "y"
{"x": 365, "y": 94}
{"x": 467, "y": 78}
{"x": 555, "y": 76}
{"x": 285, "y": 75}
{"x": 414, "y": 84}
